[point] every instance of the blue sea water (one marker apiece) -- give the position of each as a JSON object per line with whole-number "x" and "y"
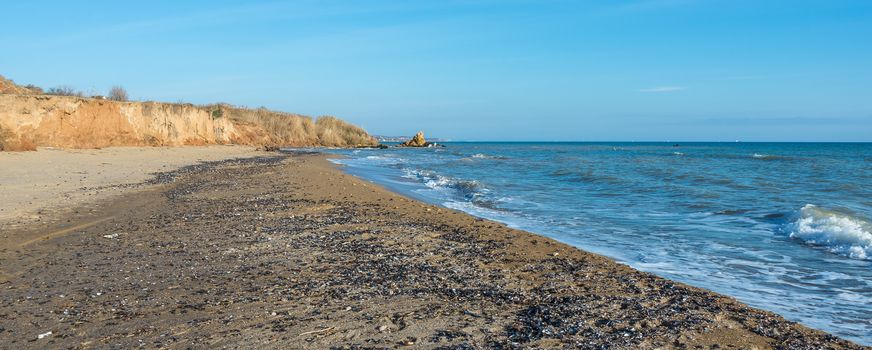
{"x": 785, "y": 227}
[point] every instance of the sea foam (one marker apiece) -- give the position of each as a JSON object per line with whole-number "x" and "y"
{"x": 837, "y": 232}
{"x": 486, "y": 156}
{"x": 468, "y": 189}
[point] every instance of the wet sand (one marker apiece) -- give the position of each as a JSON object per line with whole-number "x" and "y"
{"x": 286, "y": 251}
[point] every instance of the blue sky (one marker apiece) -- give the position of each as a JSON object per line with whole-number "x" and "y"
{"x": 479, "y": 69}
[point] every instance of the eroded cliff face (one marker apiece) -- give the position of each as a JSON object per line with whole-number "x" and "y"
{"x": 74, "y": 122}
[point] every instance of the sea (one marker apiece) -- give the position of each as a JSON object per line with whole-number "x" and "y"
{"x": 784, "y": 227}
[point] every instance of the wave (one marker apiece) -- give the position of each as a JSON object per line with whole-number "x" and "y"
{"x": 762, "y": 156}
{"x": 486, "y": 156}
{"x": 385, "y": 159}
{"x": 837, "y": 232}
{"x": 468, "y": 189}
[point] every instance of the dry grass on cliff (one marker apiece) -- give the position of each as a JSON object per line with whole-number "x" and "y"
{"x": 333, "y": 132}
{"x": 289, "y": 129}
{"x": 254, "y": 126}
{"x": 284, "y": 129}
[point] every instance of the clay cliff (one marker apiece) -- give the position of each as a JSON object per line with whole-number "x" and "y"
{"x": 31, "y": 120}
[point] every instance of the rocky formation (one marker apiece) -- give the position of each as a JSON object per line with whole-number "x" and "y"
{"x": 417, "y": 141}
{"x": 29, "y": 120}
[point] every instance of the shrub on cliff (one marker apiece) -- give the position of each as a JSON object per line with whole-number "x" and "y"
{"x": 117, "y": 93}
{"x": 33, "y": 89}
{"x": 64, "y": 90}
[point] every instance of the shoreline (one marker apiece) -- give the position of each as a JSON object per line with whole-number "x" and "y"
{"x": 289, "y": 251}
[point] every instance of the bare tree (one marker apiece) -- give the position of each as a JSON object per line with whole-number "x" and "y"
{"x": 117, "y": 93}
{"x": 64, "y": 90}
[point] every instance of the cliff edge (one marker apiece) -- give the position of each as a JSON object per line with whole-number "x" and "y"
{"x": 31, "y": 120}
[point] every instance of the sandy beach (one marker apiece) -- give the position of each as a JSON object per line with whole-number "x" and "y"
{"x": 46, "y": 185}
{"x": 265, "y": 250}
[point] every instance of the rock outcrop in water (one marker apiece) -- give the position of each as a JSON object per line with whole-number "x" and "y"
{"x": 417, "y": 141}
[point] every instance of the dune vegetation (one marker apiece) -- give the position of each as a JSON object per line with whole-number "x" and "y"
{"x": 64, "y": 117}
{"x": 290, "y": 129}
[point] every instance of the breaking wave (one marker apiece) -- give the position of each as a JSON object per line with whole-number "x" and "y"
{"x": 386, "y": 159}
{"x": 762, "y": 156}
{"x": 837, "y": 232}
{"x": 467, "y": 189}
{"x": 486, "y": 156}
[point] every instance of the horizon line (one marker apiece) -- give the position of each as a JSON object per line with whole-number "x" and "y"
{"x": 635, "y": 141}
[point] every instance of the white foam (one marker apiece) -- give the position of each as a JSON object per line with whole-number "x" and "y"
{"x": 385, "y": 159}
{"x": 465, "y": 188}
{"x": 485, "y": 156}
{"x": 837, "y": 232}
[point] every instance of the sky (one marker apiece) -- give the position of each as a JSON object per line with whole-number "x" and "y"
{"x": 513, "y": 70}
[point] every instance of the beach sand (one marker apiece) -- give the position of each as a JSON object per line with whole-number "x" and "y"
{"x": 286, "y": 251}
{"x": 44, "y": 185}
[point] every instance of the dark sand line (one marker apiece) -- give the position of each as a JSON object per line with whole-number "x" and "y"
{"x": 289, "y": 252}
{"x": 64, "y": 231}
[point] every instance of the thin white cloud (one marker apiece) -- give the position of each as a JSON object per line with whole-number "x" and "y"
{"x": 663, "y": 89}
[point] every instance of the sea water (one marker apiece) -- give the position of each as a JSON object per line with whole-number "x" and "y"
{"x": 785, "y": 227}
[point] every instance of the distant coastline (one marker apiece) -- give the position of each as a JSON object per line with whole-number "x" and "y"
{"x": 401, "y": 139}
